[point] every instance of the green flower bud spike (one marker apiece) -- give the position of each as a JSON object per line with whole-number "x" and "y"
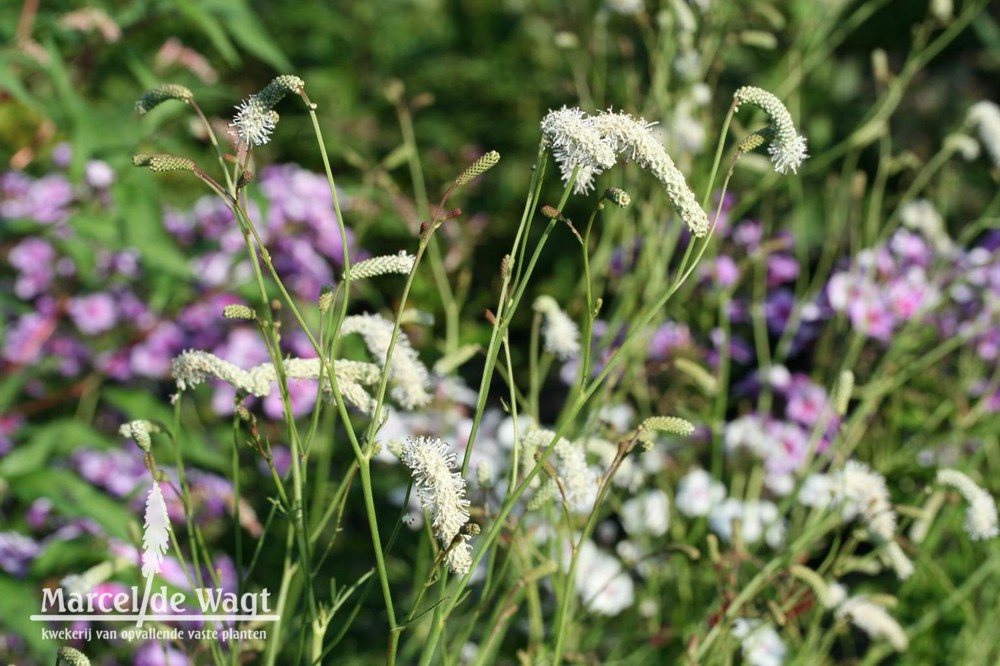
{"x": 153, "y": 98}
{"x": 478, "y": 168}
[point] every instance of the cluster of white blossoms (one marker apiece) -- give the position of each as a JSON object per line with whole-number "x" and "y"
{"x": 760, "y": 643}
{"x": 874, "y": 620}
{"x": 981, "y": 516}
{"x": 859, "y": 492}
{"x": 574, "y": 478}
{"x": 758, "y": 519}
{"x": 985, "y": 118}
{"x": 441, "y": 490}
{"x": 604, "y": 586}
{"x": 921, "y": 216}
{"x": 411, "y": 380}
{"x": 697, "y": 493}
{"x": 786, "y": 146}
{"x": 561, "y": 334}
{"x": 593, "y": 143}
{"x": 255, "y": 118}
{"x": 648, "y": 513}
{"x": 193, "y": 367}
{"x": 400, "y": 264}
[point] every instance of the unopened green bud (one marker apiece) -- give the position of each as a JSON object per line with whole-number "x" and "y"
{"x": 752, "y": 142}
{"x": 138, "y": 431}
{"x": 274, "y": 91}
{"x": 161, "y": 162}
{"x": 842, "y": 391}
{"x": 618, "y": 197}
{"x": 72, "y": 657}
{"x": 325, "y": 298}
{"x": 673, "y": 425}
{"x": 157, "y": 96}
{"x": 479, "y": 167}
{"x": 238, "y": 311}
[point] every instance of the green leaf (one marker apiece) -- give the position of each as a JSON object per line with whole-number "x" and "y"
{"x": 18, "y": 601}
{"x": 211, "y": 26}
{"x": 73, "y": 497}
{"x": 247, "y": 30}
{"x": 46, "y": 442}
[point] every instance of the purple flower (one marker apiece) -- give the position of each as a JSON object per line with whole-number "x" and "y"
{"x": 9, "y": 424}
{"x": 281, "y": 456}
{"x": 806, "y": 401}
{"x": 62, "y": 154}
{"x": 301, "y": 394}
{"x": 33, "y": 258}
{"x": 156, "y": 653}
{"x": 26, "y": 337}
{"x": 910, "y": 293}
{"x": 17, "y": 552}
{"x": 99, "y": 175}
{"x": 225, "y": 570}
{"x": 781, "y": 268}
{"x": 778, "y": 309}
{"x": 724, "y": 271}
{"x": 244, "y": 347}
{"x": 118, "y": 471}
{"x": 44, "y": 200}
{"x": 666, "y": 338}
{"x": 93, "y": 314}
{"x": 911, "y": 247}
{"x": 212, "y": 494}
{"x": 152, "y": 357}
{"x": 788, "y": 447}
{"x": 749, "y": 234}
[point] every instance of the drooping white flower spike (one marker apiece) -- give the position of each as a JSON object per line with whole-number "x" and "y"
{"x": 441, "y": 490}
{"x": 786, "y": 146}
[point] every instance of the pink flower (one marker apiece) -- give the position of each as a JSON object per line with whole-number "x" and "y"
{"x": 93, "y": 314}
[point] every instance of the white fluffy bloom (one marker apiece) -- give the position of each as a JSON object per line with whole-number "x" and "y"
{"x": 758, "y": 519}
{"x": 632, "y": 138}
{"x": 562, "y": 336}
{"x": 603, "y": 585}
{"x": 862, "y": 492}
{"x": 253, "y": 123}
{"x": 648, "y": 513}
{"x": 626, "y": 7}
{"x": 592, "y": 142}
{"x": 193, "y": 367}
{"x": 760, "y": 643}
{"x": 897, "y": 559}
{"x": 410, "y": 377}
{"x": 985, "y": 117}
{"x": 818, "y": 490}
{"x": 786, "y": 146}
{"x": 578, "y": 481}
{"x": 874, "y": 621}
{"x": 697, "y": 493}
{"x": 835, "y": 595}
{"x": 920, "y": 215}
{"x": 139, "y": 430}
{"x": 575, "y": 143}
{"x": 400, "y": 264}
{"x": 442, "y": 494}
{"x": 156, "y": 532}
{"x": 981, "y": 516}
